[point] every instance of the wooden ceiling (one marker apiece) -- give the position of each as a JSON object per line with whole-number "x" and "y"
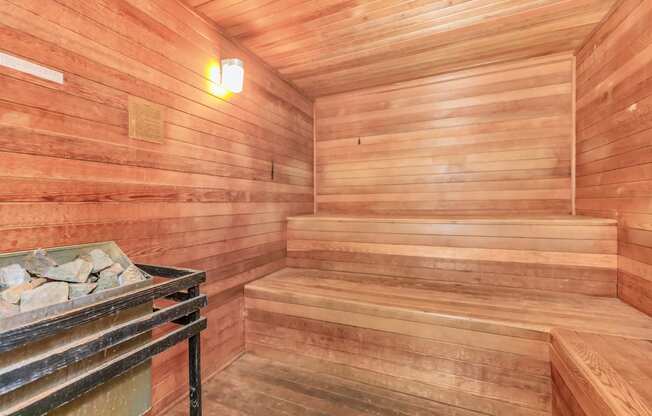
{"x": 331, "y": 46}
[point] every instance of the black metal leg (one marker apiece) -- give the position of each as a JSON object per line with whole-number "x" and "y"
{"x": 194, "y": 362}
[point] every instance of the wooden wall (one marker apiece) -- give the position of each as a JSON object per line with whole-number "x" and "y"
{"x": 614, "y": 146}
{"x": 205, "y": 198}
{"x": 494, "y": 139}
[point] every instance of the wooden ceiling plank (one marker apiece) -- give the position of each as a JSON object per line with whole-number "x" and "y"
{"x": 358, "y": 19}
{"x": 376, "y": 31}
{"x": 256, "y": 17}
{"x": 428, "y": 69}
{"x": 358, "y": 12}
{"x": 197, "y": 3}
{"x": 267, "y": 20}
{"x": 573, "y": 9}
{"x": 487, "y": 46}
{"x": 221, "y": 11}
{"x": 331, "y": 46}
{"x": 505, "y": 46}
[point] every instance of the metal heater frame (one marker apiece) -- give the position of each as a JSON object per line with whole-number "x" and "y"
{"x": 181, "y": 286}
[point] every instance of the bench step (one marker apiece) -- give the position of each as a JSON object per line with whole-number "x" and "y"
{"x": 482, "y": 350}
{"x": 566, "y": 254}
{"x": 600, "y": 375}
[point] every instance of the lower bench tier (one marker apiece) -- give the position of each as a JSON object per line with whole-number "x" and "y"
{"x": 600, "y": 375}
{"x": 479, "y": 351}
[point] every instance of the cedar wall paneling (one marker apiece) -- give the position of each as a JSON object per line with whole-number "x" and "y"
{"x": 614, "y": 140}
{"x": 203, "y": 199}
{"x": 495, "y": 139}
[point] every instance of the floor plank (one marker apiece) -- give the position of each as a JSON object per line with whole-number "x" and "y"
{"x": 254, "y": 386}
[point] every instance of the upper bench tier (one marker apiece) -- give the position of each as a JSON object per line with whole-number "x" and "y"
{"x": 570, "y": 254}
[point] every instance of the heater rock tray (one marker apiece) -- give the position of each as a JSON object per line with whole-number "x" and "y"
{"x": 53, "y": 355}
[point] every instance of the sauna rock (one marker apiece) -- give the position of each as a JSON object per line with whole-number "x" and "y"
{"x": 13, "y": 275}
{"x": 78, "y": 290}
{"x": 114, "y": 270}
{"x": 37, "y": 280}
{"x": 45, "y": 295}
{"x": 108, "y": 281}
{"x": 12, "y": 295}
{"x": 99, "y": 259}
{"x": 76, "y": 271}
{"x": 131, "y": 275}
{"x": 38, "y": 263}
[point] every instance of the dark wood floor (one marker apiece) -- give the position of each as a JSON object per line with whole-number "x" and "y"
{"x": 254, "y": 386}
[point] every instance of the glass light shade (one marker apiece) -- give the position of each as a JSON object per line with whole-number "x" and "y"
{"x": 232, "y": 74}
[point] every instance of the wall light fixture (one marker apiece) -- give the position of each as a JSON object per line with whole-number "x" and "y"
{"x": 233, "y": 74}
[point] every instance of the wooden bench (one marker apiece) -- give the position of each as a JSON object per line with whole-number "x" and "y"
{"x": 600, "y": 375}
{"x": 558, "y": 253}
{"x": 454, "y": 310}
{"x": 475, "y": 348}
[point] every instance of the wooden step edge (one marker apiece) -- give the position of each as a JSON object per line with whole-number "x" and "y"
{"x": 599, "y": 388}
{"x": 538, "y": 220}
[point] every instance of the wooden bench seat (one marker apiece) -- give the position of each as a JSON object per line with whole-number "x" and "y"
{"x": 476, "y": 348}
{"x": 556, "y": 253}
{"x": 600, "y": 375}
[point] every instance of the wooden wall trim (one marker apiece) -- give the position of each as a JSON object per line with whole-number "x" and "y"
{"x": 314, "y": 165}
{"x": 573, "y": 147}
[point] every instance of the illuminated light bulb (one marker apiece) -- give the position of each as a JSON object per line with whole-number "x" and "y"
{"x": 233, "y": 74}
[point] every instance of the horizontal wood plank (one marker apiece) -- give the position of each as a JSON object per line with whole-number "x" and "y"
{"x": 492, "y": 140}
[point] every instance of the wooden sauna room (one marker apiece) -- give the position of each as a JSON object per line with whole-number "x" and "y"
{"x": 326, "y": 207}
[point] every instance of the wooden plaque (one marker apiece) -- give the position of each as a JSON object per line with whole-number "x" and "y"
{"x": 146, "y": 120}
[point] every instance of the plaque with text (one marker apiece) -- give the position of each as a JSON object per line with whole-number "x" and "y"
{"x": 146, "y": 120}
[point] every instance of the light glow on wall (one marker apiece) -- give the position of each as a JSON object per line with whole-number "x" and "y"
{"x": 225, "y": 78}
{"x": 215, "y": 80}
